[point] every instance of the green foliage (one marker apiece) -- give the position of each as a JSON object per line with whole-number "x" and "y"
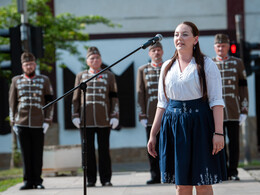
{"x": 9, "y": 178}
{"x": 60, "y": 32}
{"x": 254, "y": 164}
{"x": 7, "y": 183}
{"x": 17, "y": 172}
{"x": 17, "y": 158}
{"x": 5, "y": 73}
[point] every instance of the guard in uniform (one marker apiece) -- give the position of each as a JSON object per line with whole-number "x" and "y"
{"x": 235, "y": 95}
{"x": 28, "y": 93}
{"x": 102, "y": 113}
{"x": 147, "y": 92}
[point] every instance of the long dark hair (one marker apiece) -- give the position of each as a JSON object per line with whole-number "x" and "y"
{"x": 199, "y": 59}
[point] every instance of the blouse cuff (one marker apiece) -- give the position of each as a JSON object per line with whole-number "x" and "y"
{"x": 217, "y": 103}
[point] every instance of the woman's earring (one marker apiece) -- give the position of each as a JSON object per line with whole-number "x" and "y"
{"x": 194, "y": 47}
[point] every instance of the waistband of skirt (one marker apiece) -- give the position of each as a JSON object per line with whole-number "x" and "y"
{"x": 196, "y": 103}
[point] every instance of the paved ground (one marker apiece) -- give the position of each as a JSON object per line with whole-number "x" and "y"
{"x": 131, "y": 181}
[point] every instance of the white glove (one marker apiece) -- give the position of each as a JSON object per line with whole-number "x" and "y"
{"x": 242, "y": 119}
{"x": 144, "y": 122}
{"x": 114, "y": 122}
{"x": 15, "y": 129}
{"x": 45, "y": 127}
{"x": 76, "y": 122}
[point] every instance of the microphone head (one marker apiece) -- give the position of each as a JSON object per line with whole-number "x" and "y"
{"x": 159, "y": 36}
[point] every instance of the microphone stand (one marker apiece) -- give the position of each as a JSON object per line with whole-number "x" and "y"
{"x": 83, "y": 87}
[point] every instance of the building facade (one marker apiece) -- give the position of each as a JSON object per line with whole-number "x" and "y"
{"x": 140, "y": 20}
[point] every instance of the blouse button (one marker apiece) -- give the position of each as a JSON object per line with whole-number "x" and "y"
{"x": 181, "y": 76}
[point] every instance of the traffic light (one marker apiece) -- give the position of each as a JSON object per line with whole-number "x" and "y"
{"x": 4, "y": 49}
{"x": 37, "y": 41}
{"x": 234, "y": 50}
{"x": 245, "y": 55}
{"x": 14, "y": 49}
{"x": 248, "y": 57}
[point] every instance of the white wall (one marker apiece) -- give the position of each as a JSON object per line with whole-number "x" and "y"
{"x": 252, "y": 20}
{"x": 5, "y": 143}
{"x": 5, "y": 2}
{"x": 148, "y": 15}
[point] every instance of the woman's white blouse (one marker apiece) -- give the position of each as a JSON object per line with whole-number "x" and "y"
{"x": 186, "y": 86}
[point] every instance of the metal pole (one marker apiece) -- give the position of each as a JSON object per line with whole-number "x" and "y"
{"x": 24, "y": 28}
{"x": 244, "y": 127}
{"x": 83, "y": 87}
{"x": 239, "y": 35}
{"x": 247, "y": 158}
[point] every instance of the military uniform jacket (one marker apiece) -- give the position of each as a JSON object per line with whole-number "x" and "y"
{"x": 147, "y": 91}
{"x": 27, "y": 96}
{"x": 235, "y": 91}
{"x": 101, "y": 99}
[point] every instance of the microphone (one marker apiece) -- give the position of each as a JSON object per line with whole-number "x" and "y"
{"x": 152, "y": 41}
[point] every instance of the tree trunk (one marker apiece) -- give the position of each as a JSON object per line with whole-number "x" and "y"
{"x": 13, "y": 163}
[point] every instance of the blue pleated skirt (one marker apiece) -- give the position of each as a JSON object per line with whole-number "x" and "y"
{"x": 185, "y": 146}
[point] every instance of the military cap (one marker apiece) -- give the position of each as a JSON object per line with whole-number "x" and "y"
{"x": 92, "y": 50}
{"x": 157, "y": 44}
{"x": 27, "y": 57}
{"x": 221, "y": 38}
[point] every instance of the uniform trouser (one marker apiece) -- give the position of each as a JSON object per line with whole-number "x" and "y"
{"x": 104, "y": 160}
{"x": 154, "y": 162}
{"x": 231, "y": 129}
{"x": 31, "y": 142}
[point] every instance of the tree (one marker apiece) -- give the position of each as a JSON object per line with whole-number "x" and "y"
{"x": 60, "y": 32}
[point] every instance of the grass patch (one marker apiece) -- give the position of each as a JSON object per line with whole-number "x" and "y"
{"x": 11, "y": 173}
{"x": 254, "y": 164}
{"x": 10, "y": 178}
{"x": 7, "y": 183}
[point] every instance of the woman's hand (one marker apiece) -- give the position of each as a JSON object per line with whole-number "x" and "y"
{"x": 218, "y": 143}
{"x": 154, "y": 131}
{"x": 151, "y": 146}
{"x": 218, "y": 137}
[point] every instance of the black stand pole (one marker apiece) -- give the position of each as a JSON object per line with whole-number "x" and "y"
{"x": 83, "y": 87}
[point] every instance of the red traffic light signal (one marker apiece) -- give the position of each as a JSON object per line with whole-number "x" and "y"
{"x": 233, "y": 48}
